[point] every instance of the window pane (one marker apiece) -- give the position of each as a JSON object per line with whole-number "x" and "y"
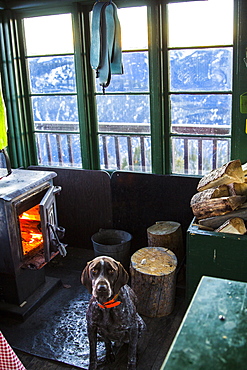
{"x": 125, "y": 112}
{"x": 50, "y": 34}
{"x": 52, "y": 74}
{"x": 194, "y": 71}
{"x": 207, "y": 155}
{"x": 193, "y": 154}
{"x": 53, "y": 89}
{"x": 200, "y": 23}
{"x": 55, "y": 109}
{"x": 223, "y": 152}
{"x": 58, "y": 149}
{"x": 201, "y": 69}
{"x": 128, "y": 153}
{"x": 198, "y": 155}
{"x": 133, "y": 23}
{"x": 178, "y": 155}
{"x": 135, "y": 77}
{"x": 201, "y": 114}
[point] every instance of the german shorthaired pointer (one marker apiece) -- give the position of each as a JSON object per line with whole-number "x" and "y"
{"x": 111, "y": 312}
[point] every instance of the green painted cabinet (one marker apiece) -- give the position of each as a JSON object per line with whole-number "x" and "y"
{"x": 214, "y": 254}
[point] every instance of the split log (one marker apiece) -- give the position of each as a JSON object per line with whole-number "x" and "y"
{"x": 215, "y": 222}
{"x": 227, "y": 174}
{"x": 220, "y": 191}
{"x": 217, "y": 206}
{"x": 234, "y": 225}
{"x": 202, "y": 227}
{"x": 244, "y": 168}
{"x": 167, "y": 234}
{"x": 153, "y": 279}
{"x": 238, "y": 188}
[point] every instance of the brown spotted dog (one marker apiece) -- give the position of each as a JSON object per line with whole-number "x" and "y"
{"x": 111, "y": 313}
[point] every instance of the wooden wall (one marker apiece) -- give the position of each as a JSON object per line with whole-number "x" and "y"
{"x": 84, "y": 204}
{"x": 91, "y": 200}
{"x": 139, "y": 200}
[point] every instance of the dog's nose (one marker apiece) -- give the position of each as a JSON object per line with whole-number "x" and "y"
{"x": 101, "y": 287}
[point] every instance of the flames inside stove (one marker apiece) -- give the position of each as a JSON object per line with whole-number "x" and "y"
{"x": 31, "y": 232}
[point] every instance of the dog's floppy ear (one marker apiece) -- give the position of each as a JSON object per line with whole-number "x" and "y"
{"x": 122, "y": 278}
{"x": 85, "y": 278}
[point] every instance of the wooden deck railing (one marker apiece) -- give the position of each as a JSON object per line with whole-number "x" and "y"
{"x": 131, "y": 149}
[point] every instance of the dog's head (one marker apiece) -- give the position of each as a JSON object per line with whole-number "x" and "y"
{"x": 103, "y": 277}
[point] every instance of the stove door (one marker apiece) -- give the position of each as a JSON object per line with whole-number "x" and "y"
{"x": 48, "y": 217}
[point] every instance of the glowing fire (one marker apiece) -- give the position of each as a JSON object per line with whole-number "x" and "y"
{"x": 31, "y": 234}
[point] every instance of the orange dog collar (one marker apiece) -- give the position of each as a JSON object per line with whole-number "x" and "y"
{"x": 111, "y": 303}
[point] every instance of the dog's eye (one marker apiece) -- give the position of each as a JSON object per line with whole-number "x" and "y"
{"x": 110, "y": 272}
{"x": 94, "y": 271}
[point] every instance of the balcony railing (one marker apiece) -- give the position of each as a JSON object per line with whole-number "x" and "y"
{"x": 130, "y": 149}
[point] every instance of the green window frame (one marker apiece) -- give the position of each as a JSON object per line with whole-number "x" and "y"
{"x": 15, "y": 84}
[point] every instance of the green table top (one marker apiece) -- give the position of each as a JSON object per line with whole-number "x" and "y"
{"x": 213, "y": 333}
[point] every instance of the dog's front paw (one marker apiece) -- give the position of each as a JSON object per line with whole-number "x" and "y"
{"x": 92, "y": 366}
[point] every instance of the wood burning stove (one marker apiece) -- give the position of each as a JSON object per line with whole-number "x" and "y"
{"x": 29, "y": 232}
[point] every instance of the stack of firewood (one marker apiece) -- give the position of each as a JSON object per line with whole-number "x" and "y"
{"x": 220, "y": 203}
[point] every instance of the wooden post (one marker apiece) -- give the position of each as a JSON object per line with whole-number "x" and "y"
{"x": 167, "y": 234}
{"x": 153, "y": 279}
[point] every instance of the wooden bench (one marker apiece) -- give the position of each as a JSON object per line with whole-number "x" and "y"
{"x": 213, "y": 333}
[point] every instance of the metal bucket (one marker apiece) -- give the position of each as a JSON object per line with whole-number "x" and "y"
{"x": 113, "y": 243}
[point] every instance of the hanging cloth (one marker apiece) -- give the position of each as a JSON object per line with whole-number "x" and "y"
{"x": 106, "y": 49}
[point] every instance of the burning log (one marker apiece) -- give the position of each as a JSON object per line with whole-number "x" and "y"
{"x": 31, "y": 233}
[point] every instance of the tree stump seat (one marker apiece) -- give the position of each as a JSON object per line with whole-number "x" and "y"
{"x": 153, "y": 279}
{"x": 167, "y": 234}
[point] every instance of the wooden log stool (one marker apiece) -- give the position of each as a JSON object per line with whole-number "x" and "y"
{"x": 153, "y": 279}
{"x": 167, "y": 234}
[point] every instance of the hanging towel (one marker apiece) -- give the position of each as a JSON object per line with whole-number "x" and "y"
{"x": 106, "y": 50}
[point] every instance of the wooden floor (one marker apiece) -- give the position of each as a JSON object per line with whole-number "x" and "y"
{"x": 36, "y": 363}
{"x": 151, "y": 353}
{"x": 154, "y": 344}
